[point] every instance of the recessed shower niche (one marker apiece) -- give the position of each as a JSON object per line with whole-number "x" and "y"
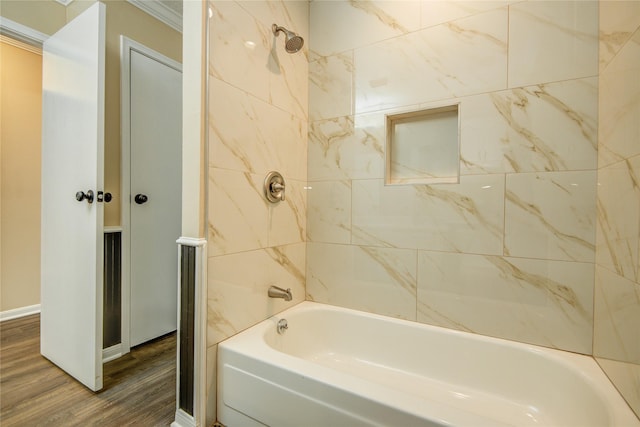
{"x": 423, "y": 147}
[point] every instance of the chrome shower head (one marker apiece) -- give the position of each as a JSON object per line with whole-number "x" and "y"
{"x": 293, "y": 42}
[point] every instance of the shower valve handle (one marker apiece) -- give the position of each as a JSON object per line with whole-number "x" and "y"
{"x": 274, "y": 187}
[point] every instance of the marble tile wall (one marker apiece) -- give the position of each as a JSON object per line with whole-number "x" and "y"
{"x": 616, "y": 343}
{"x": 509, "y": 251}
{"x": 258, "y": 108}
{"x": 548, "y": 185}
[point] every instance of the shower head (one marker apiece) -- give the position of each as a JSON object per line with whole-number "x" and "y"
{"x": 293, "y": 42}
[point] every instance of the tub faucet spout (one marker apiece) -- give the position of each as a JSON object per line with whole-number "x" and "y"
{"x": 277, "y": 292}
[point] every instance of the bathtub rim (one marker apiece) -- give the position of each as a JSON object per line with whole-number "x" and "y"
{"x": 585, "y": 366}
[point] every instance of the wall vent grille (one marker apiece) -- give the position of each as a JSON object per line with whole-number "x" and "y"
{"x": 187, "y": 331}
{"x": 112, "y": 324}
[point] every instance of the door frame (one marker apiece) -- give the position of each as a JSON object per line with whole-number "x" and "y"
{"x": 126, "y": 46}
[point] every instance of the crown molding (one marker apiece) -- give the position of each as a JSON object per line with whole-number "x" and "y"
{"x": 20, "y": 45}
{"x": 160, "y": 12}
{"x": 21, "y": 32}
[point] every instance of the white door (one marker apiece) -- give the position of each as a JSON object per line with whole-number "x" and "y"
{"x": 155, "y": 190}
{"x": 72, "y": 230}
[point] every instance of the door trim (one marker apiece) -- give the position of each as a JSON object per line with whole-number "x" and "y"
{"x": 128, "y": 45}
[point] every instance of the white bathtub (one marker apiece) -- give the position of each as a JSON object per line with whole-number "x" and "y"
{"x": 337, "y": 367}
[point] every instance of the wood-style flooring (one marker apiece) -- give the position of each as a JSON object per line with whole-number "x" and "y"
{"x": 139, "y": 388}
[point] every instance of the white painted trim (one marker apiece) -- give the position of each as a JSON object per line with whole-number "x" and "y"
{"x": 200, "y": 338}
{"x": 180, "y": 414}
{"x": 21, "y": 45}
{"x": 19, "y": 312}
{"x": 193, "y": 124}
{"x": 22, "y": 32}
{"x": 111, "y": 353}
{"x": 125, "y": 189}
{"x": 128, "y": 45}
{"x": 183, "y": 420}
{"x": 192, "y": 241}
{"x": 161, "y": 12}
{"x": 112, "y": 229}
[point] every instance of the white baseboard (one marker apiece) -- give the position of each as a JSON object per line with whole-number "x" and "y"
{"x": 183, "y": 420}
{"x": 111, "y": 353}
{"x": 19, "y": 312}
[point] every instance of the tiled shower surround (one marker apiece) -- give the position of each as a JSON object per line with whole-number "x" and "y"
{"x": 547, "y": 210}
{"x": 616, "y": 336}
{"x": 508, "y": 251}
{"x": 257, "y": 96}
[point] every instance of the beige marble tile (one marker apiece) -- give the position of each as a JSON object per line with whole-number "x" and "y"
{"x": 468, "y": 216}
{"x": 289, "y": 79}
{"x": 288, "y": 218}
{"x": 238, "y": 212}
{"x": 626, "y": 377}
{"x": 347, "y": 148}
{"x": 551, "y": 215}
{"x": 463, "y": 57}
{"x": 618, "y": 21}
{"x": 248, "y": 56}
{"x": 337, "y": 26}
{"x": 376, "y": 280}
{"x": 546, "y": 127}
{"x": 551, "y": 41}
{"x": 434, "y": 12}
{"x": 242, "y": 47}
{"x": 292, "y": 14}
{"x": 547, "y": 303}
{"x": 618, "y": 229}
{"x": 331, "y": 86}
{"x": 617, "y": 291}
{"x": 384, "y": 215}
{"x": 465, "y": 217}
{"x": 329, "y": 212}
{"x": 619, "y": 131}
{"x": 236, "y": 141}
{"x": 617, "y": 316}
{"x": 238, "y": 285}
{"x": 248, "y": 134}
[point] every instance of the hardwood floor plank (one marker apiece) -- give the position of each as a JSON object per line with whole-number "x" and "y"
{"x": 139, "y": 388}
